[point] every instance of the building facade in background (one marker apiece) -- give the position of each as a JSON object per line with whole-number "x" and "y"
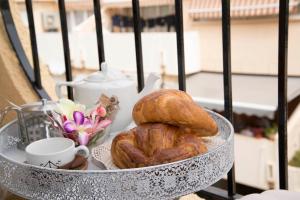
{"x": 46, "y": 13}
{"x": 253, "y": 32}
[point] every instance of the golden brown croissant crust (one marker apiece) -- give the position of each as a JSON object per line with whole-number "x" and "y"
{"x": 176, "y": 108}
{"x": 152, "y": 144}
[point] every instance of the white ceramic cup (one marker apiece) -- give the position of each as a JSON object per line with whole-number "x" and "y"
{"x": 53, "y": 152}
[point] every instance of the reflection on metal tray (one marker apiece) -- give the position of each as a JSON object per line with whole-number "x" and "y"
{"x": 156, "y": 182}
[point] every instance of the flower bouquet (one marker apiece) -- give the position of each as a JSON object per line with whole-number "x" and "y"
{"x": 84, "y": 126}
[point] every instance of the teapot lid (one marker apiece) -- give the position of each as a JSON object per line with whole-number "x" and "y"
{"x": 105, "y": 75}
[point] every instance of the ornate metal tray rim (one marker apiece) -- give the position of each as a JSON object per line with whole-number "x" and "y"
{"x": 123, "y": 170}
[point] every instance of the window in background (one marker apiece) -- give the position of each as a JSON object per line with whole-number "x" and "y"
{"x": 50, "y": 21}
{"x": 154, "y": 19}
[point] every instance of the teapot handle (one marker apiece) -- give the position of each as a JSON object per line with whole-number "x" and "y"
{"x": 60, "y": 84}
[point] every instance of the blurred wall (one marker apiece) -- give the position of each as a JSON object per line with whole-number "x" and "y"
{"x": 254, "y": 44}
{"x": 158, "y": 49}
{"x": 14, "y": 85}
{"x": 40, "y": 8}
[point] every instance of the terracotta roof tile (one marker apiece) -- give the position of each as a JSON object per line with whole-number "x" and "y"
{"x": 211, "y": 9}
{"x": 143, "y": 3}
{"x": 79, "y": 5}
{"x": 88, "y": 4}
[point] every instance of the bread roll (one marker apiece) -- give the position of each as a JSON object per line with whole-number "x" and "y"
{"x": 176, "y": 108}
{"x": 152, "y": 144}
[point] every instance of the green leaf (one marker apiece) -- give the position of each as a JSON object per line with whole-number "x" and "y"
{"x": 295, "y": 162}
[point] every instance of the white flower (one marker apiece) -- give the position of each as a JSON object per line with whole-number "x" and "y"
{"x": 67, "y": 107}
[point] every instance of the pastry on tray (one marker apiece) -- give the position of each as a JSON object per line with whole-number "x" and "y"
{"x": 152, "y": 144}
{"x": 169, "y": 128}
{"x": 174, "y": 107}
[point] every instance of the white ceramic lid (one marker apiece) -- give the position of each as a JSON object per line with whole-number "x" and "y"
{"x": 106, "y": 74}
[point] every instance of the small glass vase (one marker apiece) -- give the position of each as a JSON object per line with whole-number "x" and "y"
{"x": 100, "y": 138}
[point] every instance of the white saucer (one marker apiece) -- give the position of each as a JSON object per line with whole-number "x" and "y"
{"x": 101, "y": 156}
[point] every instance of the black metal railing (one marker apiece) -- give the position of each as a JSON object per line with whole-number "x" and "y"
{"x": 65, "y": 39}
{"x": 100, "y": 43}
{"x": 282, "y": 92}
{"x": 35, "y": 55}
{"x": 227, "y": 82}
{"x": 33, "y": 74}
{"x": 138, "y": 43}
{"x": 180, "y": 44}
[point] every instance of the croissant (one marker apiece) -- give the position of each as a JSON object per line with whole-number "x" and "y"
{"x": 176, "y": 108}
{"x": 154, "y": 143}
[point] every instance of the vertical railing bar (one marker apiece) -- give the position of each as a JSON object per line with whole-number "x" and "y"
{"x": 180, "y": 45}
{"x": 65, "y": 38}
{"x": 35, "y": 55}
{"x": 99, "y": 32}
{"x": 227, "y": 82}
{"x": 282, "y": 92}
{"x": 138, "y": 43}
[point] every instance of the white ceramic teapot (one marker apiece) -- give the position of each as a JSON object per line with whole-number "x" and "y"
{"x": 109, "y": 82}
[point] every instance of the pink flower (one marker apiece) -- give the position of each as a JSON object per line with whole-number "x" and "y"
{"x": 101, "y": 125}
{"x": 77, "y": 124}
{"x": 85, "y": 127}
{"x": 69, "y": 126}
{"x": 101, "y": 111}
{"x": 97, "y": 127}
{"x": 83, "y": 138}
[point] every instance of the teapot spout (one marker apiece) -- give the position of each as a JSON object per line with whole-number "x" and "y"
{"x": 149, "y": 85}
